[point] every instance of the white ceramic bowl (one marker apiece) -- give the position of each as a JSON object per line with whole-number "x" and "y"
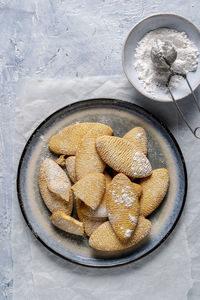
{"x": 153, "y": 22}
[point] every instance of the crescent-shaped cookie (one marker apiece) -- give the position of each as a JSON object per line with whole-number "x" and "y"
{"x": 49, "y": 174}
{"x": 138, "y": 137}
{"x": 66, "y": 140}
{"x": 121, "y": 156}
{"x": 154, "y": 189}
{"x": 100, "y": 213}
{"x": 90, "y": 189}
{"x": 87, "y": 158}
{"x": 122, "y": 202}
{"x": 67, "y": 223}
{"x": 105, "y": 239}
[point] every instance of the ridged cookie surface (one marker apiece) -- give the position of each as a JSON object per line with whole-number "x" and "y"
{"x": 154, "y": 189}
{"x": 87, "y": 158}
{"x": 105, "y": 239}
{"x": 100, "y": 213}
{"x": 67, "y": 223}
{"x": 121, "y": 156}
{"x": 122, "y": 202}
{"x": 138, "y": 137}
{"x": 50, "y": 171}
{"x": 66, "y": 140}
{"x": 70, "y": 167}
{"x": 90, "y": 189}
{"x": 49, "y": 174}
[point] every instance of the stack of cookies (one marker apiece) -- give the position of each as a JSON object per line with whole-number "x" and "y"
{"x": 111, "y": 180}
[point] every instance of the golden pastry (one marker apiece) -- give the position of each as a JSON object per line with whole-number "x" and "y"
{"x": 154, "y": 189}
{"x": 100, "y": 213}
{"x": 122, "y": 202}
{"x": 59, "y": 188}
{"x": 138, "y": 137}
{"x": 50, "y": 174}
{"x": 66, "y": 140}
{"x": 110, "y": 211}
{"x": 90, "y": 189}
{"x": 121, "y": 156}
{"x": 105, "y": 239}
{"x": 87, "y": 158}
{"x": 67, "y": 223}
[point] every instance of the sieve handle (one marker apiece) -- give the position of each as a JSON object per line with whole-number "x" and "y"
{"x": 197, "y": 129}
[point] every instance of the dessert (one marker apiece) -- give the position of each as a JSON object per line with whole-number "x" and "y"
{"x": 122, "y": 202}
{"x": 90, "y": 189}
{"x": 121, "y": 156}
{"x": 154, "y": 189}
{"x": 67, "y": 223}
{"x": 111, "y": 210}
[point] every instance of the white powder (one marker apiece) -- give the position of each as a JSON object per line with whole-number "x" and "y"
{"x": 141, "y": 166}
{"x": 186, "y": 61}
{"x": 55, "y": 178}
{"x": 126, "y": 197}
{"x": 50, "y": 171}
{"x": 139, "y": 136}
{"x": 128, "y": 233}
{"x": 132, "y": 219}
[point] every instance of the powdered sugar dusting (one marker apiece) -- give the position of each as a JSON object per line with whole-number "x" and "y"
{"x": 101, "y": 211}
{"x": 133, "y": 219}
{"x": 51, "y": 171}
{"x": 141, "y": 166}
{"x": 128, "y": 233}
{"x": 126, "y": 196}
{"x": 56, "y": 179}
{"x": 139, "y": 136}
{"x": 58, "y": 186}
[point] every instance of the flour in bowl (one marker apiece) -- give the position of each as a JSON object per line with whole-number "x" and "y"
{"x": 186, "y": 60}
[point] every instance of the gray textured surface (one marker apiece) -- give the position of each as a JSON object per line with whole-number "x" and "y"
{"x": 55, "y": 38}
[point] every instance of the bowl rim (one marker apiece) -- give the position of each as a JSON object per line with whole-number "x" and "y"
{"x": 148, "y": 95}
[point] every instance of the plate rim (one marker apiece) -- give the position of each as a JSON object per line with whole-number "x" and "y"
{"x": 123, "y": 104}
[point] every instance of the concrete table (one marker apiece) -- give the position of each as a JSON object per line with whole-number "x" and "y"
{"x": 46, "y": 38}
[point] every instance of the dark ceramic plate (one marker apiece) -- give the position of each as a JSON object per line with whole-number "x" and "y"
{"x": 163, "y": 151}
